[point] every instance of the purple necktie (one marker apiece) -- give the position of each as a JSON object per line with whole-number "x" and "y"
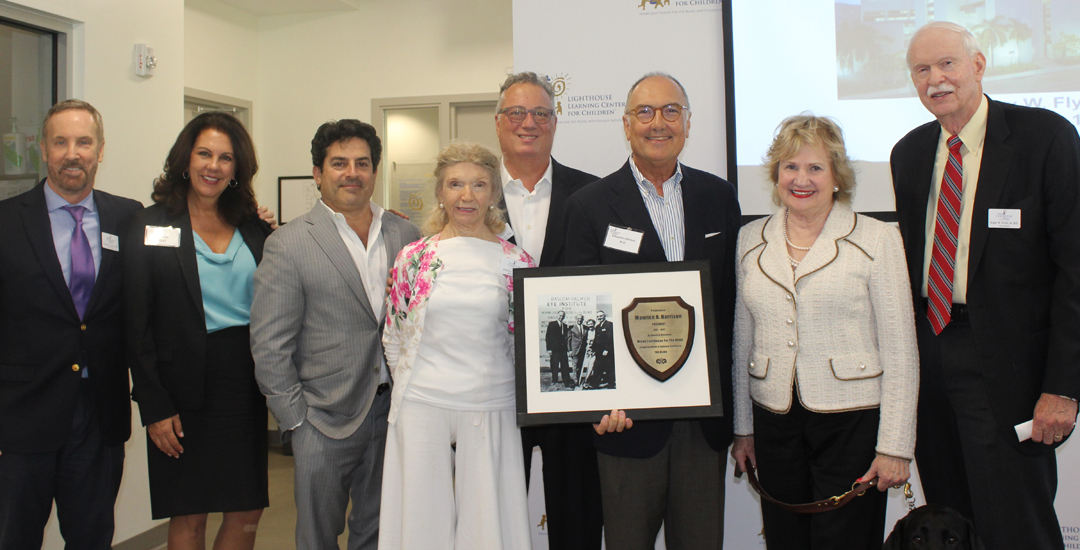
{"x": 81, "y": 282}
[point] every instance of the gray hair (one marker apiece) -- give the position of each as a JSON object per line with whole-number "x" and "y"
{"x": 525, "y": 77}
{"x": 650, "y": 75}
{"x": 971, "y": 44}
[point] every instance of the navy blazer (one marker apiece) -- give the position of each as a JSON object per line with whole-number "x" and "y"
{"x": 711, "y": 208}
{"x": 43, "y": 343}
{"x": 1023, "y": 292}
{"x": 166, "y": 322}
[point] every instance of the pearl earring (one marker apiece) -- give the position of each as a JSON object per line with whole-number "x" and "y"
{"x": 491, "y": 207}
{"x": 440, "y": 205}
{"x": 836, "y": 189}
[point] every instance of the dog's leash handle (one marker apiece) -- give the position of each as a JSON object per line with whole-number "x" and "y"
{"x": 910, "y": 496}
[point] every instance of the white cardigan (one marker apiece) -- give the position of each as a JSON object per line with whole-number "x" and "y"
{"x": 839, "y": 329}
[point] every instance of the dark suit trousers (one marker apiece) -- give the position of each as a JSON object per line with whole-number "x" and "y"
{"x": 560, "y": 367}
{"x": 681, "y": 487}
{"x": 575, "y": 519}
{"x": 83, "y": 477}
{"x": 966, "y": 461}
{"x": 803, "y": 456}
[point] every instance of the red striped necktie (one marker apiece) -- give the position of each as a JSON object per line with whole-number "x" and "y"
{"x": 939, "y": 284}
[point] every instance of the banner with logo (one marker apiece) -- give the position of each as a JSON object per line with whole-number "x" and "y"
{"x": 593, "y": 50}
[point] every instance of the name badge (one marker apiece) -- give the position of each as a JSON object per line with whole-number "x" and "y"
{"x": 110, "y": 242}
{"x": 507, "y": 266}
{"x": 162, "y": 236}
{"x": 1004, "y": 218}
{"x": 624, "y": 239}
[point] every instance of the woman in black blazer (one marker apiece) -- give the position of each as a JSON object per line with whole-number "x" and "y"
{"x": 188, "y": 284}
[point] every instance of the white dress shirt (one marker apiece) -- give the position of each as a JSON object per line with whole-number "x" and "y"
{"x": 370, "y": 262}
{"x": 528, "y": 211}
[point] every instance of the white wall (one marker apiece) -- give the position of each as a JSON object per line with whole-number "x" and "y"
{"x": 221, "y": 49}
{"x": 142, "y": 117}
{"x": 319, "y": 67}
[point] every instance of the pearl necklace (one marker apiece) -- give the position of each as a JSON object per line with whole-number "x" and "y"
{"x": 786, "y": 238}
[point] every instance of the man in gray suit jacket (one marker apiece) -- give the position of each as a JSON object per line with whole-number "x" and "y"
{"x": 316, "y": 330}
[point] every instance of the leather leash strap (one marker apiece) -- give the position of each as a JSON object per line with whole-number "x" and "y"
{"x": 829, "y": 504}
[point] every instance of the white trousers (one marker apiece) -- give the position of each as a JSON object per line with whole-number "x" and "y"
{"x": 453, "y": 480}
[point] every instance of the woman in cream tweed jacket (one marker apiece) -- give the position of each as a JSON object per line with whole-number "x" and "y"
{"x": 826, "y": 364}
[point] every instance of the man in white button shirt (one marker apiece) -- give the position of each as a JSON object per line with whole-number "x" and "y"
{"x": 1005, "y": 350}
{"x": 316, "y": 335}
{"x": 535, "y": 191}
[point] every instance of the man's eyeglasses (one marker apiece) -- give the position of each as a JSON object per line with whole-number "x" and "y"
{"x": 517, "y": 114}
{"x": 670, "y": 112}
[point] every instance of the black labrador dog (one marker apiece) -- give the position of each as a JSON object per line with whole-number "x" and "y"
{"x": 933, "y": 527}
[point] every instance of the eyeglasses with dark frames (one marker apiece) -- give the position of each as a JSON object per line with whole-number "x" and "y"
{"x": 517, "y": 114}
{"x": 671, "y": 112}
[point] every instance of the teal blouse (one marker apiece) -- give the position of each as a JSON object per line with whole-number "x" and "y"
{"x": 227, "y": 282}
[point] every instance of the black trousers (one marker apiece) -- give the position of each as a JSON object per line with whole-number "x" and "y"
{"x": 560, "y": 368}
{"x": 83, "y": 477}
{"x": 968, "y": 462}
{"x": 575, "y": 518}
{"x": 804, "y": 456}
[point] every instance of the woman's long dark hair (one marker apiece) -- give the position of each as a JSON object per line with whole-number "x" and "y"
{"x": 235, "y": 204}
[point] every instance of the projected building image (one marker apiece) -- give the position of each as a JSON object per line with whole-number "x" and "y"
{"x": 1030, "y": 45}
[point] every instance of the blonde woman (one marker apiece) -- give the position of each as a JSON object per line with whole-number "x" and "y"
{"x": 826, "y": 368}
{"x": 452, "y": 476}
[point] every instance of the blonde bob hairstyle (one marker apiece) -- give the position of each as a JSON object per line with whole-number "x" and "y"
{"x": 456, "y": 153}
{"x": 808, "y": 130}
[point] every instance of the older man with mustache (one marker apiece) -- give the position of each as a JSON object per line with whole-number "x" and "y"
{"x": 988, "y": 200}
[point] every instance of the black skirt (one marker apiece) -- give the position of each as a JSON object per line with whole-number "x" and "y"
{"x": 223, "y": 466}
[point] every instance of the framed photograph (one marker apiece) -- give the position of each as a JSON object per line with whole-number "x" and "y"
{"x": 637, "y": 337}
{"x": 296, "y": 195}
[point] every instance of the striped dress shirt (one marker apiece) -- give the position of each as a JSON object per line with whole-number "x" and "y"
{"x": 666, "y": 212}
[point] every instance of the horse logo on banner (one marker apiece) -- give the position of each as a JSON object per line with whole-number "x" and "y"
{"x": 655, "y": 3}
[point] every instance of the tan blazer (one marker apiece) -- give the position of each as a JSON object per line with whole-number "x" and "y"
{"x": 838, "y": 330}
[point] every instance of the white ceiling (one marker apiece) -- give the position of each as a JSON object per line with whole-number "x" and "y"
{"x": 281, "y": 7}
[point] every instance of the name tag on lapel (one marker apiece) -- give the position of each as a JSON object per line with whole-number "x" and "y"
{"x": 624, "y": 239}
{"x": 1004, "y": 218}
{"x": 110, "y": 242}
{"x": 162, "y": 236}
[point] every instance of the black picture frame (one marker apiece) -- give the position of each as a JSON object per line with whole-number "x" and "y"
{"x": 695, "y": 392}
{"x": 294, "y": 197}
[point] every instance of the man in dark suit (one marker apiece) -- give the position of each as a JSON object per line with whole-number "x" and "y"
{"x": 604, "y": 348}
{"x": 662, "y": 471}
{"x": 535, "y": 188}
{"x": 555, "y": 336}
{"x": 64, "y": 407}
{"x": 997, "y": 289}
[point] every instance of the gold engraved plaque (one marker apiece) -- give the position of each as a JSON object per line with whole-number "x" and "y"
{"x": 659, "y": 334}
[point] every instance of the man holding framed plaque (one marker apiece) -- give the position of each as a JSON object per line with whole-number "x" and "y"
{"x": 655, "y": 209}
